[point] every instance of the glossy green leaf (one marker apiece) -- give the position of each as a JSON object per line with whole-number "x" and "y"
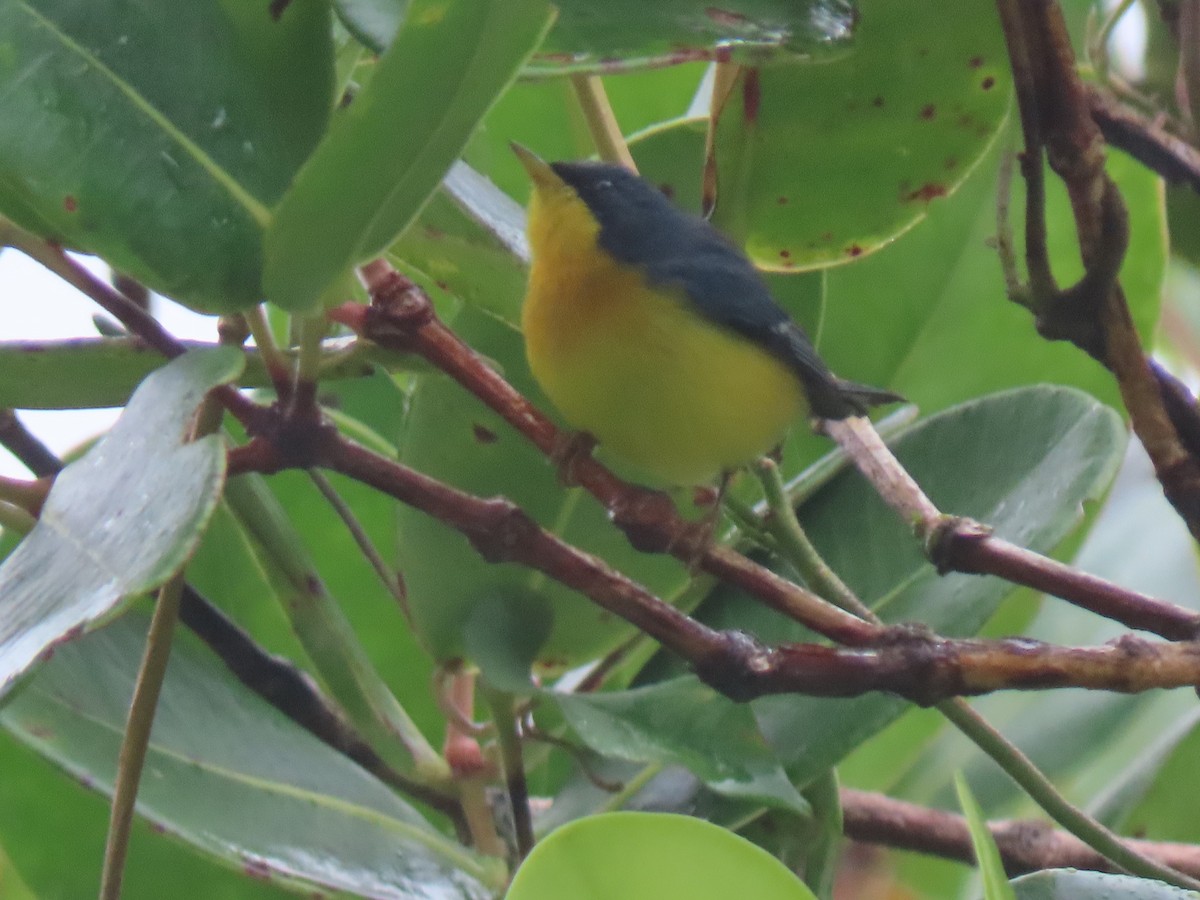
{"x": 169, "y": 179}
{"x": 823, "y": 164}
{"x": 387, "y": 153}
{"x": 987, "y": 854}
{"x": 1022, "y": 461}
{"x": 646, "y": 856}
{"x": 118, "y": 522}
{"x": 622, "y": 35}
{"x": 940, "y": 333}
{"x": 1068, "y": 884}
{"x": 450, "y": 435}
{"x": 305, "y": 815}
{"x": 684, "y": 722}
{"x": 39, "y": 804}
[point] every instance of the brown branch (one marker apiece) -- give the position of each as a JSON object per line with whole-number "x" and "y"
{"x": 954, "y": 543}
{"x": 927, "y": 669}
{"x": 1170, "y": 156}
{"x": 906, "y": 661}
{"x": 291, "y": 690}
{"x": 966, "y": 550}
{"x": 25, "y": 446}
{"x": 500, "y": 531}
{"x": 1056, "y": 118}
{"x": 1025, "y": 846}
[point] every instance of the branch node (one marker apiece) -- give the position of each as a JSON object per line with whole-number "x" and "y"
{"x": 944, "y": 540}
{"x": 647, "y": 517}
{"x": 398, "y": 310}
{"x": 735, "y": 666}
{"x": 502, "y": 531}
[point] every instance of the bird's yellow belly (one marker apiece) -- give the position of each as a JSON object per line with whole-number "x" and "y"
{"x": 659, "y": 387}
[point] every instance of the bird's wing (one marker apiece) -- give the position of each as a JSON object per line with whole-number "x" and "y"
{"x": 726, "y": 289}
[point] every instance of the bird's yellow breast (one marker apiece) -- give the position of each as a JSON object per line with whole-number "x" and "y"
{"x": 658, "y": 385}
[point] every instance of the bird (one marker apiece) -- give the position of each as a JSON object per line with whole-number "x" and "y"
{"x": 652, "y": 332}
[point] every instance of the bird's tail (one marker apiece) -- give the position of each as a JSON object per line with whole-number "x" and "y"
{"x": 863, "y": 396}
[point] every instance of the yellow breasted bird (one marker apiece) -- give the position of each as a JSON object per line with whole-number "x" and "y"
{"x": 648, "y": 329}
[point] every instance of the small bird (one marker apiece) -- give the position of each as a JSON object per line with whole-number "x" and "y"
{"x": 648, "y": 329}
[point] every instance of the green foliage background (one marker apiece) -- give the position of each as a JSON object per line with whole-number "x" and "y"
{"x": 224, "y": 157}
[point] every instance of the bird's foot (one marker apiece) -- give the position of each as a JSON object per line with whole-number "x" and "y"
{"x": 570, "y": 447}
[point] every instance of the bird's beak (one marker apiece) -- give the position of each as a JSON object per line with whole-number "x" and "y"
{"x": 539, "y": 170}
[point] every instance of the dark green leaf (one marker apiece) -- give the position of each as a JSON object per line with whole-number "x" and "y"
{"x": 160, "y": 136}
{"x": 686, "y": 723}
{"x": 305, "y": 815}
{"x": 38, "y": 805}
{"x": 119, "y": 521}
{"x": 387, "y": 153}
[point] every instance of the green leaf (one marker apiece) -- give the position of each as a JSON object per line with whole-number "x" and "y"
{"x": 38, "y": 805}
{"x": 941, "y": 333}
{"x": 1022, "y": 461}
{"x": 819, "y": 165}
{"x": 621, "y": 35}
{"x": 1166, "y": 811}
{"x": 683, "y": 722}
{"x": 1067, "y": 884}
{"x": 315, "y": 615}
{"x": 169, "y": 179}
{"x": 305, "y": 815}
{"x": 987, "y": 854}
{"x": 387, "y": 153}
{"x": 81, "y": 373}
{"x": 118, "y": 522}
{"x": 649, "y": 856}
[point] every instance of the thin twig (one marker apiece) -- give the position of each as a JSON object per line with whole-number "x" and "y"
{"x": 128, "y": 313}
{"x": 383, "y": 571}
{"x": 1144, "y": 139}
{"x": 1025, "y": 846}
{"x": 794, "y": 544}
{"x": 274, "y": 360}
{"x": 136, "y": 739}
{"x": 25, "y": 446}
{"x": 602, "y": 124}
